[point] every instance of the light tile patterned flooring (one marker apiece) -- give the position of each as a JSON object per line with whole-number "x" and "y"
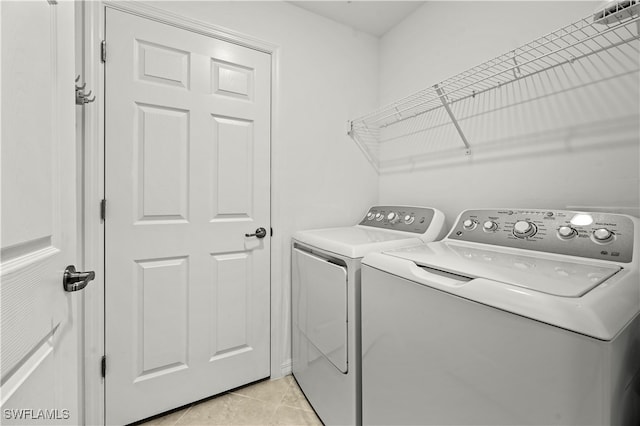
{"x": 270, "y": 402}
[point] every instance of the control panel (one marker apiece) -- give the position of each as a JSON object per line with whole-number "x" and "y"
{"x": 399, "y": 218}
{"x": 604, "y": 236}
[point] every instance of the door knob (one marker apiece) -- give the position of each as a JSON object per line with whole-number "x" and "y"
{"x": 74, "y": 281}
{"x": 260, "y": 233}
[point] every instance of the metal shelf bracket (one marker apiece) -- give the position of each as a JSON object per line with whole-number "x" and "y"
{"x": 453, "y": 118}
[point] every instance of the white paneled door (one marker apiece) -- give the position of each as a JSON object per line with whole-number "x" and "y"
{"x": 39, "y": 337}
{"x": 187, "y": 177}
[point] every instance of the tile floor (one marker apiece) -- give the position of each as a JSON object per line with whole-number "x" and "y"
{"x": 270, "y": 402}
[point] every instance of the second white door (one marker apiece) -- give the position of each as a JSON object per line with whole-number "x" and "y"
{"x": 187, "y": 176}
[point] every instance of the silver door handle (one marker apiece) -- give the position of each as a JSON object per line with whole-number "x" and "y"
{"x": 74, "y": 281}
{"x": 260, "y": 233}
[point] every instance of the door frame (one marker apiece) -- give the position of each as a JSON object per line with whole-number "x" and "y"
{"x": 93, "y": 30}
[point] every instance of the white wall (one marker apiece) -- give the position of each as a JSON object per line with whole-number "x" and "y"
{"x": 442, "y": 39}
{"x": 327, "y": 74}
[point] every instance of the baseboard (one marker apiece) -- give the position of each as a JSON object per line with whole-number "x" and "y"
{"x": 286, "y": 367}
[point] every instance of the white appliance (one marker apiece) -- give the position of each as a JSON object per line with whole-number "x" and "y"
{"x": 326, "y": 302}
{"x": 517, "y": 317}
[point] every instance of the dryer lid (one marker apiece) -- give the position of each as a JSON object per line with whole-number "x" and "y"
{"x": 557, "y": 277}
{"x": 355, "y": 241}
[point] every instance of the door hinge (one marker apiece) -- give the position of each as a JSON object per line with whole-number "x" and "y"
{"x": 103, "y": 209}
{"x": 103, "y": 366}
{"x": 103, "y": 51}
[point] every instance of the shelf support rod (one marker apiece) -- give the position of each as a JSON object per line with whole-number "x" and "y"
{"x": 445, "y": 104}
{"x": 354, "y": 136}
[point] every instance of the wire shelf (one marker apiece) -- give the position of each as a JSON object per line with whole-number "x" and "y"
{"x": 591, "y": 57}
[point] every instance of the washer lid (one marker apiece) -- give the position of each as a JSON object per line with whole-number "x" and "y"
{"x": 551, "y": 276}
{"x": 601, "y": 312}
{"x": 355, "y": 241}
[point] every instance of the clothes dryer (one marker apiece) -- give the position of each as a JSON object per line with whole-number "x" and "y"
{"x": 516, "y": 317}
{"x": 326, "y": 302}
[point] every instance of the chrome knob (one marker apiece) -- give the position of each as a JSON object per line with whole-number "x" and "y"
{"x": 408, "y": 219}
{"x": 489, "y": 225}
{"x": 469, "y": 224}
{"x": 566, "y": 232}
{"x": 602, "y": 235}
{"x": 370, "y": 216}
{"x": 393, "y": 217}
{"x": 379, "y": 216}
{"x": 524, "y": 229}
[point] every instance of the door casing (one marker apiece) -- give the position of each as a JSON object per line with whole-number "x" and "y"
{"x": 93, "y": 14}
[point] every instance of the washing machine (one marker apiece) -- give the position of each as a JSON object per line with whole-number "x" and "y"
{"x": 326, "y": 302}
{"x": 517, "y": 317}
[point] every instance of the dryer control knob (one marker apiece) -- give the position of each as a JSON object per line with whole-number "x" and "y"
{"x": 379, "y": 216}
{"x": 469, "y": 224}
{"x": 524, "y": 229}
{"x": 408, "y": 219}
{"x": 602, "y": 235}
{"x": 489, "y": 225}
{"x": 370, "y": 216}
{"x": 393, "y": 217}
{"x": 567, "y": 232}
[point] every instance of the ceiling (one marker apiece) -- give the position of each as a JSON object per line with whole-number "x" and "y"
{"x": 372, "y": 17}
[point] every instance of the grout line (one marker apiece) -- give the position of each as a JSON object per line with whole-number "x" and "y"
{"x": 258, "y": 399}
{"x": 246, "y": 396}
{"x": 293, "y": 386}
{"x": 272, "y": 420}
{"x": 285, "y": 393}
{"x": 308, "y": 410}
{"x": 183, "y": 414}
{"x": 269, "y": 403}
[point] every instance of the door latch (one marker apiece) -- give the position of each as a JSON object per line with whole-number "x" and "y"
{"x": 260, "y": 233}
{"x": 74, "y": 281}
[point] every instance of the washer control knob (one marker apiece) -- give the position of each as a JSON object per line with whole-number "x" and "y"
{"x": 489, "y": 226}
{"x": 524, "y": 229}
{"x": 379, "y": 216}
{"x": 370, "y": 215}
{"x": 602, "y": 235}
{"x": 393, "y": 217}
{"x": 567, "y": 232}
{"x": 469, "y": 224}
{"x": 408, "y": 219}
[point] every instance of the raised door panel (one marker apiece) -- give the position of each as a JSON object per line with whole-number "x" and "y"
{"x": 162, "y": 64}
{"x": 29, "y": 165}
{"x": 162, "y": 307}
{"x": 232, "y": 165}
{"x": 163, "y": 163}
{"x": 232, "y": 80}
{"x": 230, "y": 291}
{"x": 31, "y": 385}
